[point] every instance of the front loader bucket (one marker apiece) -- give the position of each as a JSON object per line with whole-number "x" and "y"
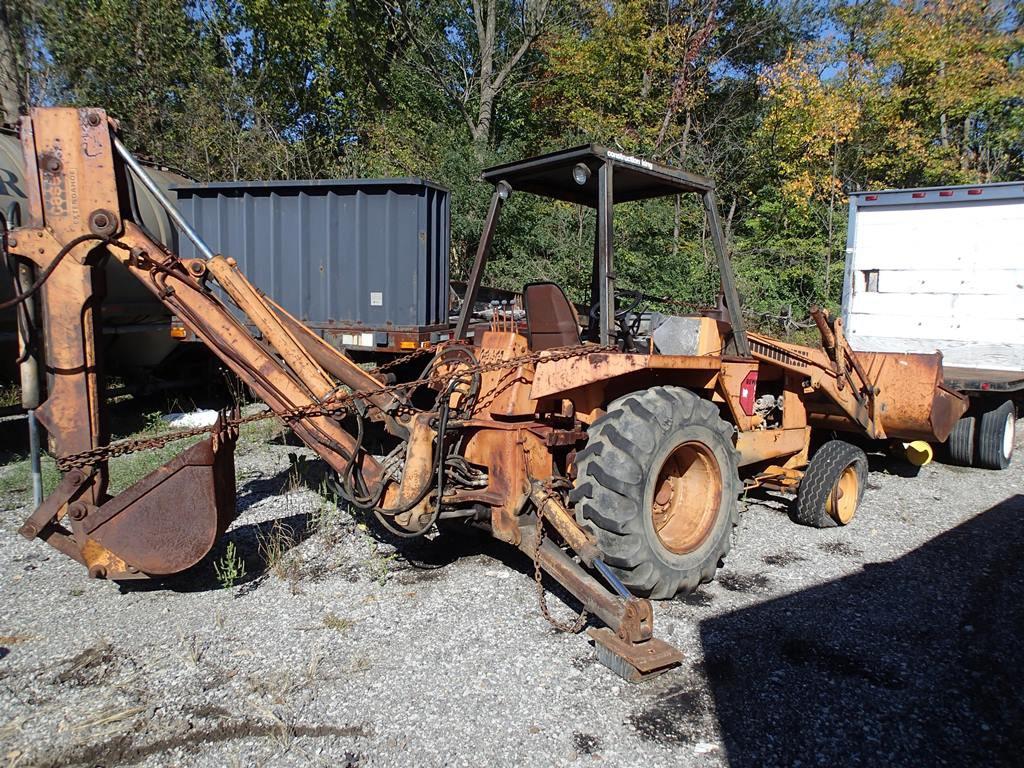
{"x": 913, "y": 403}
{"x": 167, "y": 521}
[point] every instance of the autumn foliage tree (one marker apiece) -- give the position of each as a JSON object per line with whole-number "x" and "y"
{"x": 787, "y": 104}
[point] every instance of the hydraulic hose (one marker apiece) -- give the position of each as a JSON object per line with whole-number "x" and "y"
{"x": 68, "y": 247}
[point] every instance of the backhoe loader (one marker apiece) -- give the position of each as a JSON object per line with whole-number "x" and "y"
{"x": 614, "y": 462}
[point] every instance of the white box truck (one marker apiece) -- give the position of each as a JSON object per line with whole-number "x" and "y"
{"x": 942, "y": 268}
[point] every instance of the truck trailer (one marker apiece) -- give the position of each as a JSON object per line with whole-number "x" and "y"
{"x": 942, "y": 268}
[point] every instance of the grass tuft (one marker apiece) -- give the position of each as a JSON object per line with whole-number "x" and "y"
{"x": 230, "y": 569}
{"x": 338, "y": 623}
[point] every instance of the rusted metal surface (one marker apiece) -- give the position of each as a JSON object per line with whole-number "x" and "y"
{"x": 497, "y": 445}
{"x": 54, "y": 505}
{"x": 135, "y": 529}
{"x": 550, "y": 507}
{"x": 134, "y": 535}
{"x": 631, "y": 618}
{"x": 274, "y": 383}
{"x": 728, "y": 278}
{"x": 581, "y": 618}
{"x": 270, "y": 325}
{"x": 757, "y": 446}
{"x": 595, "y": 599}
{"x": 912, "y": 403}
{"x": 687, "y": 495}
{"x": 785, "y": 479}
{"x": 73, "y": 209}
{"x": 635, "y": 662}
{"x": 885, "y": 394}
{"x": 418, "y": 476}
{"x": 64, "y": 150}
{"x": 513, "y": 458}
{"x": 565, "y": 377}
{"x": 501, "y": 193}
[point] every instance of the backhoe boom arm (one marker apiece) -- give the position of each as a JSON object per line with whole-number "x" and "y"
{"x": 79, "y": 179}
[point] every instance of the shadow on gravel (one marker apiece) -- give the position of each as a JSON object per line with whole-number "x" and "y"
{"x": 892, "y": 465}
{"x": 125, "y": 750}
{"x": 259, "y": 544}
{"x": 878, "y": 463}
{"x": 249, "y": 546}
{"x": 911, "y": 662}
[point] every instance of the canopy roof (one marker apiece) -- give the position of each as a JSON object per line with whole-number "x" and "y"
{"x": 633, "y": 178}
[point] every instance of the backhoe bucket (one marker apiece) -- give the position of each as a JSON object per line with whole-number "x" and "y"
{"x": 167, "y": 521}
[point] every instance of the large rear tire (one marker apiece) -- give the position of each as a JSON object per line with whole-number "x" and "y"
{"x": 657, "y": 484}
{"x": 995, "y": 437}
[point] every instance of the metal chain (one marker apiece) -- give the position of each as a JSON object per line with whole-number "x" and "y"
{"x": 421, "y": 352}
{"x": 333, "y": 407}
{"x": 569, "y": 627}
{"x": 86, "y": 459}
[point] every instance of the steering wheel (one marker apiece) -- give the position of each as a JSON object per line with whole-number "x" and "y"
{"x": 638, "y": 299}
{"x": 626, "y": 332}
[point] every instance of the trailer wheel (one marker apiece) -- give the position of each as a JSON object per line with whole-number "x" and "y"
{"x": 961, "y": 442}
{"x": 832, "y": 486}
{"x": 995, "y": 438}
{"x": 657, "y": 484}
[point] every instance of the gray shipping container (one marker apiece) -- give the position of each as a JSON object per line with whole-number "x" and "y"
{"x": 367, "y": 253}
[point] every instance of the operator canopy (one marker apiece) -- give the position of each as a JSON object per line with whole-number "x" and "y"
{"x": 571, "y": 175}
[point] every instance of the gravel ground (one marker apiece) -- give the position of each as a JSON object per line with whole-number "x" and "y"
{"x": 890, "y": 641}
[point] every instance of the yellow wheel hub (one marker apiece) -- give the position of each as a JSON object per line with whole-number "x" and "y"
{"x": 841, "y": 504}
{"x": 687, "y": 495}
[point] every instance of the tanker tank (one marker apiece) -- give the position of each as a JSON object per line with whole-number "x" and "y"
{"x": 137, "y": 341}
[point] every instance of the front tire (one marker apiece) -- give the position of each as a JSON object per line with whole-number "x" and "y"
{"x": 657, "y": 484}
{"x": 833, "y": 485}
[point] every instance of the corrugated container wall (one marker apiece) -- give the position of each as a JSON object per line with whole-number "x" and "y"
{"x": 338, "y": 252}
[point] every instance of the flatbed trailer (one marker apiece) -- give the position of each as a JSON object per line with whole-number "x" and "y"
{"x": 981, "y": 382}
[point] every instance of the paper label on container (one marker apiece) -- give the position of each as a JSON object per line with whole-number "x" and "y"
{"x": 376, "y": 299}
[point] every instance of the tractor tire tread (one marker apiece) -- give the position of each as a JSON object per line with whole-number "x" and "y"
{"x": 821, "y": 475}
{"x": 612, "y": 474}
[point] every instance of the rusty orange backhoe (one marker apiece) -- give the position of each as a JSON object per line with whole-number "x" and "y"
{"x": 614, "y": 462}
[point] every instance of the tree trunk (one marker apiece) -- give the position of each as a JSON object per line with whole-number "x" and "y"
{"x": 675, "y": 229}
{"x": 943, "y": 133}
{"x": 482, "y": 130}
{"x": 486, "y": 28}
{"x": 965, "y": 150}
{"x": 831, "y": 229}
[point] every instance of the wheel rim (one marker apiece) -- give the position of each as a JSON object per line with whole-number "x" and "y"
{"x": 841, "y": 503}
{"x": 687, "y": 495}
{"x": 1008, "y": 436}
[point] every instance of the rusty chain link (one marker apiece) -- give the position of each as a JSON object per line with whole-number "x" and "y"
{"x": 333, "y": 407}
{"x": 568, "y": 627}
{"x": 403, "y": 359}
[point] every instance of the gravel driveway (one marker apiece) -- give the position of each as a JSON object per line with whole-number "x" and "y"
{"x": 891, "y": 641}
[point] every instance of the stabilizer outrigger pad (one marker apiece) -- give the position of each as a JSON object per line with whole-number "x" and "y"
{"x": 626, "y": 644}
{"x": 634, "y": 662}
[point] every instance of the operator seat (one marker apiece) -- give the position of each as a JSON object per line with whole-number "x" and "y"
{"x": 551, "y": 319}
